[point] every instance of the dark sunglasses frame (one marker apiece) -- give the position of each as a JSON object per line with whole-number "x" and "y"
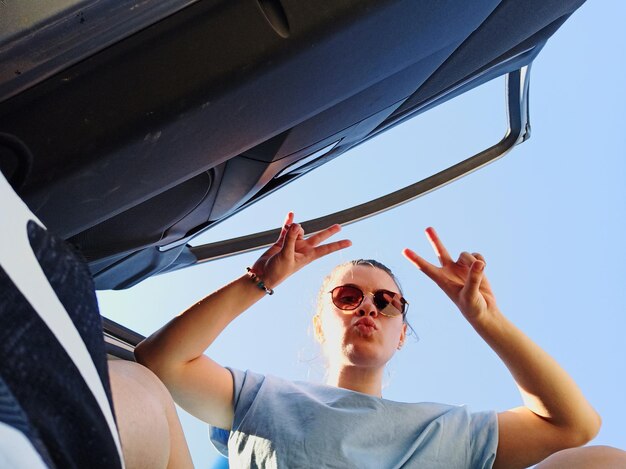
{"x": 379, "y": 301}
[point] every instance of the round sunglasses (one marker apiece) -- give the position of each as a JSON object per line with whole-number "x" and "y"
{"x": 388, "y": 303}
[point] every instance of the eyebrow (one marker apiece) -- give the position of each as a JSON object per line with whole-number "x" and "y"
{"x": 363, "y": 289}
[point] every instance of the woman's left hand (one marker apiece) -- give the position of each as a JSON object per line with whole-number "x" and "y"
{"x": 463, "y": 281}
{"x": 556, "y": 414}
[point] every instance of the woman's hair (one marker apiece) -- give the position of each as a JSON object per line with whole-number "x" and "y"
{"x": 367, "y": 262}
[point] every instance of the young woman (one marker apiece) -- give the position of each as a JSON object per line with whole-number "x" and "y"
{"x": 360, "y": 324}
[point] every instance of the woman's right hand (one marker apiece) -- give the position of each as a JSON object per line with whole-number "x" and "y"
{"x": 292, "y": 251}
{"x": 175, "y": 353}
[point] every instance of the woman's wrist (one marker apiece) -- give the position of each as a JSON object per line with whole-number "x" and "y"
{"x": 488, "y": 321}
{"x": 269, "y": 275}
{"x": 259, "y": 281}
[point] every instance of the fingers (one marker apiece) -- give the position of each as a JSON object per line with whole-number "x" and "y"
{"x": 294, "y": 232}
{"x": 323, "y": 235}
{"x": 422, "y": 264}
{"x": 474, "y": 279}
{"x": 326, "y": 249}
{"x": 466, "y": 259}
{"x": 440, "y": 249}
{"x": 288, "y": 220}
{"x": 479, "y": 256}
{"x": 286, "y": 224}
{"x": 484, "y": 283}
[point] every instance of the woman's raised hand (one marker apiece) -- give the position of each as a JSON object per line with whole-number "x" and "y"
{"x": 463, "y": 281}
{"x": 292, "y": 251}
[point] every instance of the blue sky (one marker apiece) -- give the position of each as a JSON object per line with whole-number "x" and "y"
{"x": 548, "y": 217}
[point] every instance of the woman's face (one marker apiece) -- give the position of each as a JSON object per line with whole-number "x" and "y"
{"x": 363, "y": 336}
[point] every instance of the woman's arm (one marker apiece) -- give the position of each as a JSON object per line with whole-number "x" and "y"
{"x": 175, "y": 353}
{"x": 555, "y": 414}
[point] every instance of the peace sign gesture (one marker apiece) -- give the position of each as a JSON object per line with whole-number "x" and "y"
{"x": 292, "y": 251}
{"x": 463, "y": 281}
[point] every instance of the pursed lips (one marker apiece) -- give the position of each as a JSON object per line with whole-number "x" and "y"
{"x": 366, "y": 324}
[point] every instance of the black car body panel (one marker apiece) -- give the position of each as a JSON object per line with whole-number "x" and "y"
{"x": 177, "y": 119}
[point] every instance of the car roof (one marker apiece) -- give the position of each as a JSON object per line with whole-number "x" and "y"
{"x": 130, "y": 140}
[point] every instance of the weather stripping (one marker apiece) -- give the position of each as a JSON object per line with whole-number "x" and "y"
{"x": 517, "y": 89}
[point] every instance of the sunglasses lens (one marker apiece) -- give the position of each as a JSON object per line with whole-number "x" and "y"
{"x": 388, "y": 303}
{"x": 347, "y": 297}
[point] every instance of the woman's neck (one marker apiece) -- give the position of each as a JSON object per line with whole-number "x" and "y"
{"x": 365, "y": 380}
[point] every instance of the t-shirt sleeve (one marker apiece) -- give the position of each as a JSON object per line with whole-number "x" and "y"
{"x": 246, "y": 385}
{"x": 483, "y": 439}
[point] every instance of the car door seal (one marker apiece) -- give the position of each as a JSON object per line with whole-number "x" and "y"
{"x": 517, "y": 91}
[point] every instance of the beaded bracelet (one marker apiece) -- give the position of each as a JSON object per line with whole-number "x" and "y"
{"x": 259, "y": 283}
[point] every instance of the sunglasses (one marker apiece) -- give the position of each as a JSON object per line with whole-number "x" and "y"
{"x": 388, "y": 303}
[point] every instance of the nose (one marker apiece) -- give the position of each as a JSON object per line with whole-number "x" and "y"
{"x": 367, "y": 307}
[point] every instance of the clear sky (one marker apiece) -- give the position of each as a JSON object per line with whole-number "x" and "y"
{"x": 548, "y": 217}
